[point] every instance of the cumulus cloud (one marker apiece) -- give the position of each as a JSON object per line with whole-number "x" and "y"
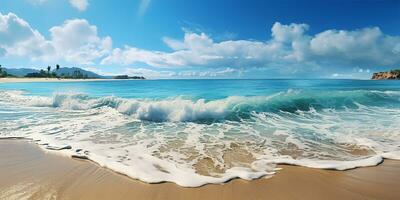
{"x": 194, "y": 50}
{"x": 81, "y": 5}
{"x": 77, "y": 41}
{"x": 289, "y": 49}
{"x": 368, "y": 45}
{"x": 18, "y": 38}
{"x": 288, "y": 33}
{"x": 74, "y": 41}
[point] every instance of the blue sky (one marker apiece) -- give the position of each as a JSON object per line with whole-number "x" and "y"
{"x": 204, "y": 39}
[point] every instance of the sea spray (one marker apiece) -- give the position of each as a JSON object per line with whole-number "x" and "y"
{"x": 196, "y": 141}
{"x": 235, "y": 107}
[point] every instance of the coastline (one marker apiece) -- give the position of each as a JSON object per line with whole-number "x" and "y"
{"x": 28, "y": 171}
{"x": 28, "y": 80}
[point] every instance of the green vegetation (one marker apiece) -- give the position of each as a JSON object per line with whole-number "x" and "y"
{"x": 53, "y": 74}
{"x": 42, "y": 74}
{"x": 128, "y": 77}
{"x": 4, "y": 74}
{"x": 58, "y": 72}
{"x": 395, "y": 71}
{"x": 76, "y": 75}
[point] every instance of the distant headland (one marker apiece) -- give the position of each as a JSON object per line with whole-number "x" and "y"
{"x": 388, "y": 75}
{"x": 128, "y": 77}
{"x": 57, "y": 72}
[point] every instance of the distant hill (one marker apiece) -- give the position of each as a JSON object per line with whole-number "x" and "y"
{"x": 21, "y": 72}
{"x": 72, "y": 70}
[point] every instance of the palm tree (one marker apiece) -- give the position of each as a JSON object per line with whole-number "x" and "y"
{"x": 57, "y": 68}
{"x": 1, "y": 70}
{"x": 48, "y": 69}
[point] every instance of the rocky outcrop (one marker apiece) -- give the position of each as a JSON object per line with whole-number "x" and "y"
{"x": 390, "y": 75}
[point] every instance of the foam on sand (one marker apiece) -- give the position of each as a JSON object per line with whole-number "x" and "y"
{"x": 193, "y": 142}
{"x": 88, "y": 181}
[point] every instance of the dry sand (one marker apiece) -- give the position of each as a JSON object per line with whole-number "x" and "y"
{"x": 19, "y": 80}
{"x": 27, "y": 172}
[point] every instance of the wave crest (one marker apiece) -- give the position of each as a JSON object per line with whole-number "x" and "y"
{"x": 231, "y": 108}
{"x": 320, "y": 129}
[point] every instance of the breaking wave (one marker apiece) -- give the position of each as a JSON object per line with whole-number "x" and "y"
{"x": 193, "y": 142}
{"x": 200, "y": 110}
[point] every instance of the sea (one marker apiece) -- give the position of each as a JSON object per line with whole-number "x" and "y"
{"x": 197, "y": 132}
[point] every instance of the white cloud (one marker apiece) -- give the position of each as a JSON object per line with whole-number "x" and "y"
{"x": 368, "y": 45}
{"x": 149, "y": 73}
{"x": 208, "y": 73}
{"x": 96, "y": 70}
{"x": 18, "y": 38}
{"x": 129, "y": 55}
{"x": 288, "y": 33}
{"x": 174, "y": 44}
{"x": 81, "y": 5}
{"x": 194, "y": 50}
{"x": 143, "y": 6}
{"x": 75, "y": 41}
{"x": 198, "y": 50}
{"x": 290, "y": 49}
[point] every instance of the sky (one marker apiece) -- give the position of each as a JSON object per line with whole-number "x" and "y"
{"x": 204, "y": 39}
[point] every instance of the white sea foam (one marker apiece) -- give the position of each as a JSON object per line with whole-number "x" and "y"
{"x": 176, "y": 109}
{"x": 121, "y": 134}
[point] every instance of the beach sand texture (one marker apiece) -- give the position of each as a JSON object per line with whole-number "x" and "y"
{"x": 27, "y": 172}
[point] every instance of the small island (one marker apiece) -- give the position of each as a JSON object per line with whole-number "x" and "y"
{"x": 388, "y": 75}
{"x": 129, "y": 77}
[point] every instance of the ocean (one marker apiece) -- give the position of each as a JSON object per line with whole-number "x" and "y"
{"x": 196, "y": 132}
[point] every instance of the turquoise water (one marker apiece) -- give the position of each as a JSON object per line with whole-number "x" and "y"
{"x": 207, "y": 89}
{"x": 194, "y": 132}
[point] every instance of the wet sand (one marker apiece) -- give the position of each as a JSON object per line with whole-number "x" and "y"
{"x": 27, "y": 172}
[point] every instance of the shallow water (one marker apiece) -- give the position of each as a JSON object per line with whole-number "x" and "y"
{"x": 194, "y": 132}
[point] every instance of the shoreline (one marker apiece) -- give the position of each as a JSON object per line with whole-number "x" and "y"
{"x": 26, "y": 168}
{"x": 34, "y": 80}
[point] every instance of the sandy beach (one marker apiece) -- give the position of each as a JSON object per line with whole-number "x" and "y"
{"x": 199, "y": 100}
{"x": 27, "y": 172}
{"x": 28, "y": 80}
